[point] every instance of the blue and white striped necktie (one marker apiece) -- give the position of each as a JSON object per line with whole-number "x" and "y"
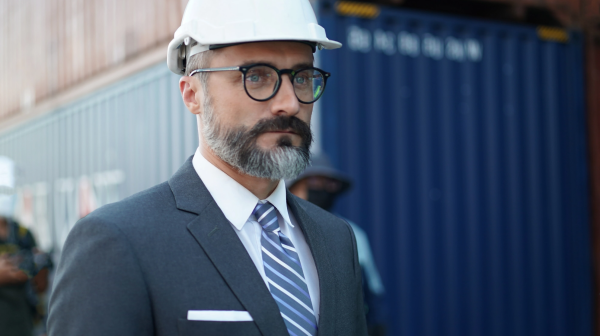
{"x": 284, "y": 274}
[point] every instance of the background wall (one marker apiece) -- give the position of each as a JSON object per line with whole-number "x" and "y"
{"x": 49, "y": 46}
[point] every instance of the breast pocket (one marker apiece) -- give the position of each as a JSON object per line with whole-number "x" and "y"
{"x": 201, "y": 328}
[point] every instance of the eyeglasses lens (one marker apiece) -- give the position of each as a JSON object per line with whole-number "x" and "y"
{"x": 261, "y": 82}
{"x": 309, "y": 85}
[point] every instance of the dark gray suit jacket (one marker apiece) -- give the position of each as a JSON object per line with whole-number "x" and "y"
{"x": 137, "y": 266}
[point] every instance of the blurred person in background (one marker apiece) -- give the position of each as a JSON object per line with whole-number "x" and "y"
{"x": 222, "y": 248}
{"x": 16, "y": 261}
{"x": 17, "y": 266}
{"x": 23, "y": 281}
{"x": 321, "y": 184}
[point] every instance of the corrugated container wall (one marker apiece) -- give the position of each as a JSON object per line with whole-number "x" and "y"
{"x": 466, "y": 141}
{"x": 49, "y": 46}
{"x": 104, "y": 147}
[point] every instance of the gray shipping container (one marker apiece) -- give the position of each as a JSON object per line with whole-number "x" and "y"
{"x": 104, "y": 147}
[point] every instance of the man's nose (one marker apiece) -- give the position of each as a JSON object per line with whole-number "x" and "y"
{"x": 285, "y": 101}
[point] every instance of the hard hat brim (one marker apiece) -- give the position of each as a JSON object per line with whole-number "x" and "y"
{"x": 173, "y": 49}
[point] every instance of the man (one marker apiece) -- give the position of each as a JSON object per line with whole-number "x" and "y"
{"x": 321, "y": 184}
{"x": 222, "y": 248}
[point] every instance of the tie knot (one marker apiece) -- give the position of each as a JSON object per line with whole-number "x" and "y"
{"x": 266, "y": 216}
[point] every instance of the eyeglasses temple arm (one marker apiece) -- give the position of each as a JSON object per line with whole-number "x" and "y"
{"x": 214, "y": 69}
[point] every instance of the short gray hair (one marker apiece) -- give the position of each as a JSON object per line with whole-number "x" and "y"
{"x": 200, "y": 61}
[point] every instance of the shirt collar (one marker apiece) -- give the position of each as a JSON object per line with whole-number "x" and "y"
{"x": 279, "y": 200}
{"x": 236, "y": 202}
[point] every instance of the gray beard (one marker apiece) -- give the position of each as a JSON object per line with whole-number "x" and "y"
{"x": 236, "y": 148}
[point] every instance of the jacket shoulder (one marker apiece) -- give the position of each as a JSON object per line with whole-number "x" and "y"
{"x": 141, "y": 207}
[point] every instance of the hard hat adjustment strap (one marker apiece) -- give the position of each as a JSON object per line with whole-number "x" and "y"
{"x": 192, "y": 47}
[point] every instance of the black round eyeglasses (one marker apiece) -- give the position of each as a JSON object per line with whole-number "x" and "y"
{"x": 262, "y": 81}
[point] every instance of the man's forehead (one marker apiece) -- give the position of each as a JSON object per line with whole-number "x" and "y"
{"x": 288, "y": 52}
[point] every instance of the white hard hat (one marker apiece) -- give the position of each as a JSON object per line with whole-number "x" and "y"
{"x": 207, "y": 24}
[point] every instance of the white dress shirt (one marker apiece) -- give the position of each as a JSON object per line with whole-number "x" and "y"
{"x": 238, "y": 203}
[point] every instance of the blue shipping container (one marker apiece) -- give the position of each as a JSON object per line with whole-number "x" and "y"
{"x": 466, "y": 142}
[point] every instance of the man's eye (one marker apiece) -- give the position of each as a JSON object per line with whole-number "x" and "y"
{"x": 254, "y": 78}
{"x": 300, "y": 80}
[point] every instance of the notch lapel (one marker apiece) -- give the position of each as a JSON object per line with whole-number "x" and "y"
{"x": 221, "y": 244}
{"x": 318, "y": 247}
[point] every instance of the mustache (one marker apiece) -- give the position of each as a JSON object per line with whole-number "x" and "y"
{"x": 243, "y": 140}
{"x": 246, "y": 141}
{"x": 282, "y": 123}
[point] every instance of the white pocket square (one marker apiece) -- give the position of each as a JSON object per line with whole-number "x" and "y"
{"x": 219, "y": 315}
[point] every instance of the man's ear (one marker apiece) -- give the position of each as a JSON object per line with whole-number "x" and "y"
{"x": 192, "y": 94}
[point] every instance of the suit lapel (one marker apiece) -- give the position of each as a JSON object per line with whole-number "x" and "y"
{"x": 314, "y": 238}
{"x": 221, "y": 244}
